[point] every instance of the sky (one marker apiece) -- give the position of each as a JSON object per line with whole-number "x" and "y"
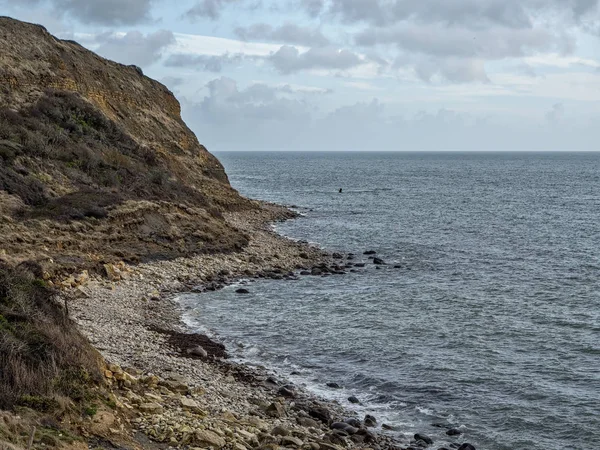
{"x": 368, "y": 75}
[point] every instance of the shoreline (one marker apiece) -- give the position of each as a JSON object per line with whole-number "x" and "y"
{"x": 136, "y": 323}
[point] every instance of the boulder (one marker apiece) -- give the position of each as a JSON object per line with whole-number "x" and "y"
{"x": 370, "y": 252}
{"x": 353, "y": 399}
{"x": 320, "y": 413}
{"x": 424, "y": 438}
{"x": 275, "y": 410}
{"x": 378, "y": 261}
{"x": 333, "y": 385}
{"x": 287, "y": 391}
{"x": 466, "y": 446}
{"x": 151, "y": 408}
{"x": 242, "y": 291}
{"x": 453, "y": 432}
{"x": 291, "y": 441}
{"x": 207, "y": 438}
{"x": 370, "y": 421}
{"x": 197, "y": 351}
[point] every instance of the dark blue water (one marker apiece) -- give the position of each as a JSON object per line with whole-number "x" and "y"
{"x": 492, "y": 324}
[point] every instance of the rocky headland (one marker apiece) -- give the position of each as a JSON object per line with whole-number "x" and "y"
{"x": 109, "y": 207}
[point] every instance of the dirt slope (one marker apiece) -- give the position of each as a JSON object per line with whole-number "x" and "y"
{"x": 96, "y": 164}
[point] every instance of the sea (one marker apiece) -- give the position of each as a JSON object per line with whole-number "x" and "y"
{"x": 491, "y": 324}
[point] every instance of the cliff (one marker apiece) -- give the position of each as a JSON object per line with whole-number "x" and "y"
{"x": 96, "y": 164}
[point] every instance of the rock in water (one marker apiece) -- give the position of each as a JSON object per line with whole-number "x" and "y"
{"x": 453, "y": 432}
{"x": 370, "y": 252}
{"x": 424, "y": 438}
{"x": 466, "y": 446}
{"x": 378, "y": 261}
{"x": 242, "y": 291}
{"x": 353, "y": 399}
{"x": 370, "y": 421}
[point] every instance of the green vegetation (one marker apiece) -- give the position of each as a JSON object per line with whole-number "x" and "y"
{"x": 64, "y": 137}
{"x": 43, "y": 357}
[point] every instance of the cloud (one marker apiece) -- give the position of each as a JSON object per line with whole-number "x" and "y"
{"x": 288, "y": 59}
{"x": 471, "y": 14}
{"x": 103, "y": 12}
{"x": 556, "y": 114}
{"x": 288, "y": 33}
{"x": 442, "y": 41}
{"x": 212, "y": 9}
{"x": 208, "y": 63}
{"x": 455, "y": 70}
{"x": 134, "y": 47}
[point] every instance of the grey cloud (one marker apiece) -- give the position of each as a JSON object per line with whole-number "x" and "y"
{"x": 103, "y": 12}
{"x": 209, "y": 63}
{"x": 287, "y": 33}
{"x": 312, "y": 7}
{"x": 134, "y": 47}
{"x": 437, "y": 40}
{"x": 468, "y": 13}
{"x": 212, "y": 9}
{"x": 289, "y": 59}
{"x": 455, "y": 70}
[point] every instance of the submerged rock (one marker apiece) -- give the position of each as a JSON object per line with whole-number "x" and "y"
{"x": 353, "y": 399}
{"x": 242, "y": 291}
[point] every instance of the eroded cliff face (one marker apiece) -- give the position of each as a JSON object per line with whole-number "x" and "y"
{"x": 96, "y": 163}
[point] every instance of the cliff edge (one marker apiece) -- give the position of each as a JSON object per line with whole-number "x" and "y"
{"x": 96, "y": 164}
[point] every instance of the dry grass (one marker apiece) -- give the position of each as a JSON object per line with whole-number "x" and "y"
{"x": 42, "y": 355}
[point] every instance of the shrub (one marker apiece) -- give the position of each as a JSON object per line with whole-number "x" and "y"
{"x": 42, "y": 355}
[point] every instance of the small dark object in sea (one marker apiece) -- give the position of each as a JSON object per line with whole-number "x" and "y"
{"x": 359, "y": 265}
{"x": 353, "y": 399}
{"x": 424, "y": 438}
{"x": 334, "y": 385}
{"x": 370, "y": 252}
{"x": 242, "y": 291}
{"x": 453, "y": 432}
{"x": 397, "y": 266}
{"x": 378, "y": 261}
{"x": 337, "y": 256}
{"x": 305, "y": 272}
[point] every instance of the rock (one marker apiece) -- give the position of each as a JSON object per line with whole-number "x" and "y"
{"x": 349, "y": 429}
{"x": 370, "y": 421}
{"x": 316, "y": 271}
{"x": 151, "y": 408}
{"x": 320, "y": 413}
{"x": 466, "y": 446}
{"x": 359, "y": 265}
{"x": 397, "y": 266}
{"x": 287, "y": 391}
{"x": 453, "y": 432}
{"x": 385, "y": 426}
{"x": 292, "y": 441}
{"x": 305, "y": 272}
{"x": 334, "y": 385}
{"x": 337, "y": 256}
{"x": 275, "y": 410}
{"x": 353, "y": 399}
{"x": 207, "y": 438}
{"x": 280, "y": 431}
{"x": 242, "y": 291}
{"x": 370, "y": 252}
{"x": 307, "y": 422}
{"x": 353, "y": 422}
{"x": 197, "y": 351}
{"x": 190, "y": 405}
{"x": 175, "y": 386}
{"x": 378, "y": 261}
{"x": 424, "y": 438}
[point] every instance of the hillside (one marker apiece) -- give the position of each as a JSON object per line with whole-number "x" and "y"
{"x": 96, "y": 164}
